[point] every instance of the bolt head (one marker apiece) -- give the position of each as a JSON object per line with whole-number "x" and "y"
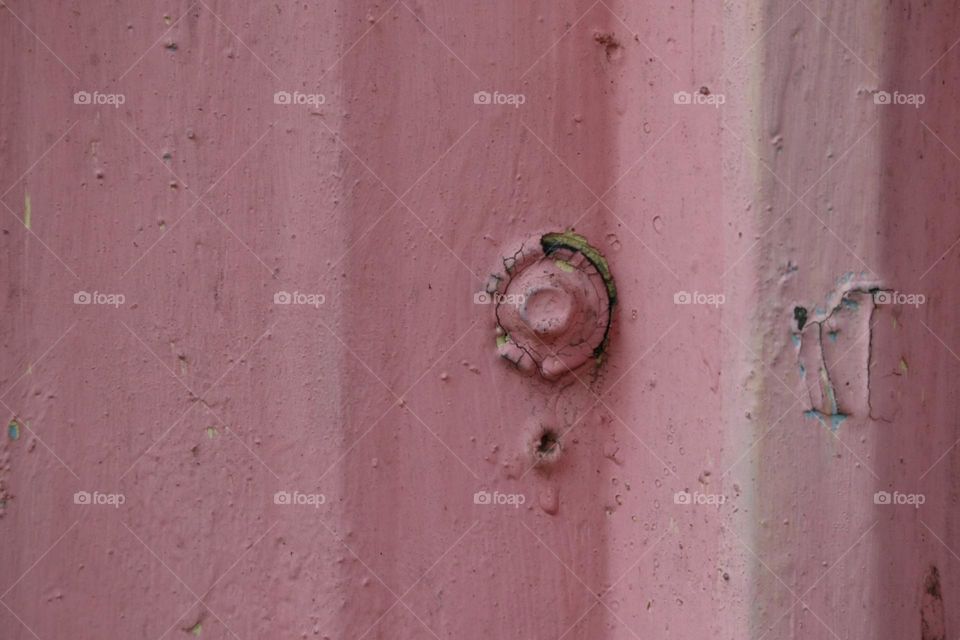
{"x": 553, "y": 310}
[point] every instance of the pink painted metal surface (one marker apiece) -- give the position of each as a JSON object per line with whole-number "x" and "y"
{"x": 252, "y": 374}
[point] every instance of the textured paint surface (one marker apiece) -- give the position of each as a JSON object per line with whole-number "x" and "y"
{"x": 250, "y": 391}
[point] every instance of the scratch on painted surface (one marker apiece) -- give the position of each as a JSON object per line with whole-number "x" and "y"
{"x": 27, "y": 211}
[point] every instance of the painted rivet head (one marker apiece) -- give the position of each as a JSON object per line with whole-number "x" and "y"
{"x": 548, "y": 310}
{"x": 554, "y": 299}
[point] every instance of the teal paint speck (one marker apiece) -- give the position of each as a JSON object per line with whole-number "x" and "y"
{"x": 835, "y": 420}
{"x": 13, "y": 430}
{"x": 850, "y": 304}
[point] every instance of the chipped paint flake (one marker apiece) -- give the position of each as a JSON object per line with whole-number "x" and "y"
{"x": 837, "y": 388}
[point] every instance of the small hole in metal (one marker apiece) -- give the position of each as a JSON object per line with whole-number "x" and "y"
{"x": 547, "y": 446}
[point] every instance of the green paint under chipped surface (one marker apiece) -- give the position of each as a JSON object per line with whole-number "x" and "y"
{"x": 551, "y": 242}
{"x": 576, "y": 242}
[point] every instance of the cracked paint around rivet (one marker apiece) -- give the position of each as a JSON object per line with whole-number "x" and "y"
{"x": 554, "y": 298}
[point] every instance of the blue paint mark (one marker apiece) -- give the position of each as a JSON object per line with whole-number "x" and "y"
{"x": 850, "y": 304}
{"x": 833, "y": 423}
{"x": 13, "y": 430}
{"x": 832, "y": 335}
{"x": 795, "y": 338}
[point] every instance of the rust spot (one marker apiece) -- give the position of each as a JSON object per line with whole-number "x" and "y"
{"x": 609, "y": 42}
{"x": 932, "y": 625}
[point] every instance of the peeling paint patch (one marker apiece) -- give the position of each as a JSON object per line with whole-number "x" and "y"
{"x": 833, "y": 346}
{"x": 13, "y": 429}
